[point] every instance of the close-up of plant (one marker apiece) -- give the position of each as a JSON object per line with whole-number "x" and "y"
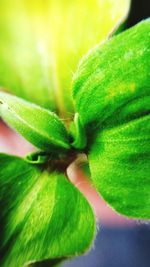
{"x": 97, "y": 108}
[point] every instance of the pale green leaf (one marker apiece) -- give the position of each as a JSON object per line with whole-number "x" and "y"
{"x": 111, "y": 85}
{"x": 43, "y": 216}
{"x": 42, "y": 42}
{"x": 120, "y": 167}
{"x": 39, "y": 126}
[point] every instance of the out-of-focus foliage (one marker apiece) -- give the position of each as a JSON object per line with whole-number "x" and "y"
{"x": 41, "y": 42}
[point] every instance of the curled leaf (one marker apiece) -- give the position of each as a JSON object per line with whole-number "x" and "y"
{"x": 38, "y": 157}
{"x": 39, "y": 126}
{"x": 78, "y": 133}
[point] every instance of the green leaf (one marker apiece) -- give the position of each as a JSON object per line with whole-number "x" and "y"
{"x": 77, "y": 132}
{"x": 39, "y": 126}
{"x": 42, "y": 42}
{"x": 111, "y": 85}
{"x": 43, "y": 216}
{"x": 120, "y": 167}
{"x": 38, "y": 157}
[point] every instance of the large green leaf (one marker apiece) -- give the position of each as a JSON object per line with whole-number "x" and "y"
{"x": 111, "y": 85}
{"x": 120, "y": 167}
{"x": 41, "y": 43}
{"x": 42, "y": 215}
{"x": 38, "y": 125}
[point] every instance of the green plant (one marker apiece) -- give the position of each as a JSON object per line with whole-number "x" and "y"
{"x": 47, "y": 38}
{"x": 44, "y": 218}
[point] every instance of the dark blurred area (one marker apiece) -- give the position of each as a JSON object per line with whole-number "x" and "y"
{"x": 118, "y": 247}
{"x": 140, "y": 9}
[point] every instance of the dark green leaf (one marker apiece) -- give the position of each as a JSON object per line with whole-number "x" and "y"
{"x": 120, "y": 167}
{"x": 43, "y": 216}
{"x": 111, "y": 85}
{"x": 38, "y": 157}
{"x": 39, "y": 126}
{"x": 47, "y": 263}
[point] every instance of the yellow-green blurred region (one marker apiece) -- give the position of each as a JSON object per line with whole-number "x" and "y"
{"x": 42, "y": 41}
